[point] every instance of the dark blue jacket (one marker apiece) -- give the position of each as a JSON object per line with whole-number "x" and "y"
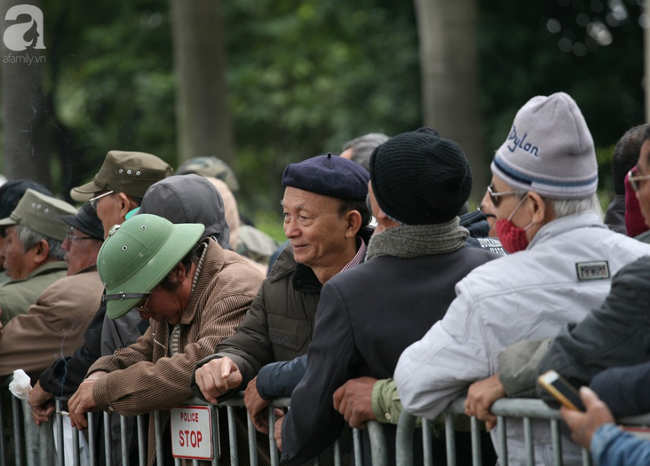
{"x": 624, "y": 389}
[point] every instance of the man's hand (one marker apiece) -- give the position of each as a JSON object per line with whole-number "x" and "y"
{"x": 354, "y": 400}
{"x": 41, "y": 404}
{"x": 83, "y": 401}
{"x": 480, "y": 397}
{"x": 583, "y": 425}
{"x": 217, "y": 377}
{"x": 256, "y": 406}
{"x": 278, "y": 428}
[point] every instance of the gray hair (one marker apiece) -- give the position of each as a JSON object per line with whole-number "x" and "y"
{"x": 566, "y": 207}
{"x": 29, "y": 238}
{"x": 363, "y": 146}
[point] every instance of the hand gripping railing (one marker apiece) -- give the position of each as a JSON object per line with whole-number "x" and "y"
{"x": 27, "y": 434}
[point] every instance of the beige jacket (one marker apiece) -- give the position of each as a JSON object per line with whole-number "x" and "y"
{"x": 53, "y": 327}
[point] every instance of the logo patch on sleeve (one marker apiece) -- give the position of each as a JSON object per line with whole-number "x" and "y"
{"x": 598, "y": 270}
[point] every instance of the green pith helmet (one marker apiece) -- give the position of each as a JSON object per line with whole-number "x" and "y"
{"x": 138, "y": 255}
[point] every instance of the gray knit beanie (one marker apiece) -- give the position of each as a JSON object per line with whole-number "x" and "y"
{"x": 549, "y": 150}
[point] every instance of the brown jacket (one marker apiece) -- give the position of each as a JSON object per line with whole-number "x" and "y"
{"x": 53, "y": 327}
{"x": 143, "y": 377}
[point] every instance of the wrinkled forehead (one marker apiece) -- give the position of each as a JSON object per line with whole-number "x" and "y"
{"x": 299, "y": 199}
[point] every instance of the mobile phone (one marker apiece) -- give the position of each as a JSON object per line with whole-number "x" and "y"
{"x": 562, "y": 390}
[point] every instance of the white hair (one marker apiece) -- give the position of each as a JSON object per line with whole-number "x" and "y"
{"x": 565, "y": 207}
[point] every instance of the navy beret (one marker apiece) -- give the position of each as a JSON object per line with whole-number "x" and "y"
{"x": 330, "y": 176}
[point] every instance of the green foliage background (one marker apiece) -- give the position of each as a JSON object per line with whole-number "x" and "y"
{"x": 306, "y": 76}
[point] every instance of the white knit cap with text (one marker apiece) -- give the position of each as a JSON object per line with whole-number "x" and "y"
{"x": 549, "y": 150}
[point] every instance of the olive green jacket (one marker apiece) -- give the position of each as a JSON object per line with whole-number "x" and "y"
{"x": 17, "y": 295}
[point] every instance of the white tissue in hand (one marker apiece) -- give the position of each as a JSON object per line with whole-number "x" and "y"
{"x": 20, "y": 386}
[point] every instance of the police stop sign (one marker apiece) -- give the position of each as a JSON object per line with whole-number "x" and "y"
{"x": 191, "y": 429}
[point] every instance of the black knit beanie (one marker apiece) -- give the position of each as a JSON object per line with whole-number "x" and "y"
{"x": 419, "y": 178}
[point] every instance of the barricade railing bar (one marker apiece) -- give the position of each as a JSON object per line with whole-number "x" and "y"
{"x": 35, "y": 446}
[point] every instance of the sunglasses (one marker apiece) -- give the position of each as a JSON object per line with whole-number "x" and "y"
{"x": 635, "y": 179}
{"x": 494, "y": 196}
{"x": 93, "y": 200}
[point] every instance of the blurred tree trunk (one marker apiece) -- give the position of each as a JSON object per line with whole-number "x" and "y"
{"x": 26, "y": 143}
{"x": 202, "y": 113}
{"x": 450, "y": 94}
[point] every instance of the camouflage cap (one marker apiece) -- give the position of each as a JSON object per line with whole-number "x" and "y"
{"x": 42, "y": 214}
{"x": 130, "y": 173}
{"x": 210, "y": 166}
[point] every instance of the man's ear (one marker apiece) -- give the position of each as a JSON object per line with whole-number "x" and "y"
{"x": 353, "y": 218}
{"x": 537, "y": 208}
{"x": 181, "y": 273}
{"x": 126, "y": 204}
{"x": 41, "y": 252}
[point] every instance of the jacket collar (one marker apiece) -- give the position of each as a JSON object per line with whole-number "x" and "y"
{"x": 212, "y": 264}
{"x": 49, "y": 267}
{"x": 587, "y": 219}
{"x": 303, "y": 277}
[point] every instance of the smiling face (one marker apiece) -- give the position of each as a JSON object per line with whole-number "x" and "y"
{"x": 319, "y": 234}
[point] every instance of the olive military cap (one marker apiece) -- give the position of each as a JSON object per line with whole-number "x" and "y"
{"x": 130, "y": 173}
{"x": 41, "y": 213}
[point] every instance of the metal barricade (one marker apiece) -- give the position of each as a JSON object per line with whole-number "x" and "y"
{"x": 35, "y": 445}
{"x": 525, "y": 409}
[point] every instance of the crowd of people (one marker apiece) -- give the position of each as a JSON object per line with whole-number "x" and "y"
{"x": 388, "y": 295}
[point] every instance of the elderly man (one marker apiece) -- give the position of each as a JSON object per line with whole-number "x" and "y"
{"x": 518, "y": 364}
{"x": 11, "y": 193}
{"x": 194, "y": 292}
{"x": 116, "y": 190}
{"x": 55, "y": 324}
{"x": 32, "y": 251}
{"x": 82, "y": 244}
{"x": 418, "y": 184}
{"x": 119, "y": 185}
{"x": 544, "y": 192}
{"x": 324, "y": 211}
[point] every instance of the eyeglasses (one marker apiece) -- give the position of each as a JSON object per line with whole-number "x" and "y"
{"x": 71, "y": 237}
{"x": 143, "y": 307}
{"x": 93, "y": 200}
{"x": 634, "y": 179}
{"x": 494, "y": 197}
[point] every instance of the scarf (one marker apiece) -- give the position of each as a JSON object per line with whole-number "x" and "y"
{"x": 406, "y": 241}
